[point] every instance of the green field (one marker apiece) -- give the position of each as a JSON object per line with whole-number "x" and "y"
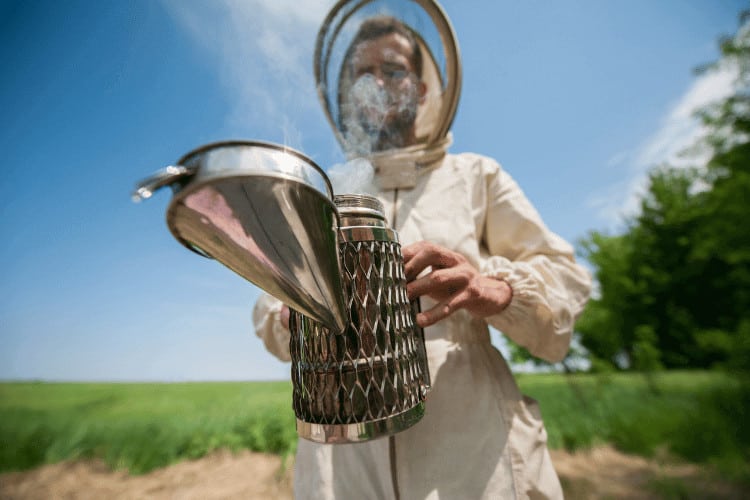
{"x": 141, "y": 426}
{"x": 700, "y": 416}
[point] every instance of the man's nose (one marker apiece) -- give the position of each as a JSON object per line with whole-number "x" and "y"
{"x": 379, "y": 77}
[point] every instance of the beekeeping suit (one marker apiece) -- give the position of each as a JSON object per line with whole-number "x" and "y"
{"x": 479, "y": 437}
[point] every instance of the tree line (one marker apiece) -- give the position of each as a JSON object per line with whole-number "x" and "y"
{"x": 673, "y": 287}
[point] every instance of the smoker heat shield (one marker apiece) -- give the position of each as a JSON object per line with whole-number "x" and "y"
{"x": 370, "y": 380}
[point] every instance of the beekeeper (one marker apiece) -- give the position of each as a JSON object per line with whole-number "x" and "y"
{"x": 476, "y": 253}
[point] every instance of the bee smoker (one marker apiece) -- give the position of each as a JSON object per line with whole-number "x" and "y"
{"x": 369, "y": 380}
{"x": 268, "y": 213}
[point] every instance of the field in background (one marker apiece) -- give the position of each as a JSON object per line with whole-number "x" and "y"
{"x": 700, "y": 416}
{"x": 140, "y": 427}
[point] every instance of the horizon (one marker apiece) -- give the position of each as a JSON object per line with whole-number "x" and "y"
{"x": 576, "y": 101}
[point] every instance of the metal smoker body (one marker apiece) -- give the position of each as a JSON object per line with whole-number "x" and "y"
{"x": 266, "y": 212}
{"x": 371, "y": 379}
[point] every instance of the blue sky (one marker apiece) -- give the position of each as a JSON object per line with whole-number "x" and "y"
{"x": 577, "y": 99}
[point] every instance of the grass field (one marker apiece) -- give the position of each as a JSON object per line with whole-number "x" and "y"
{"x": 701, "y": 416}
{"x": 141, "y": 426}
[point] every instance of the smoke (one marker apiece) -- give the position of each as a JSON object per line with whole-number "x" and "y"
{"x": 371, "y": 102}
{"x": 261, "y": 51}
{"x": 378, "y": 116}
{"x": 353, "y": 177}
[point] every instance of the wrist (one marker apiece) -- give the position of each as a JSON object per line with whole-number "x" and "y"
{"x": 497, "y": 292}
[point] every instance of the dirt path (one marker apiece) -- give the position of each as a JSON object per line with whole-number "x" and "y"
{"x": 606, "y": 473}
{"x": 594, "y": 474}
{"x": 222, "y": 475}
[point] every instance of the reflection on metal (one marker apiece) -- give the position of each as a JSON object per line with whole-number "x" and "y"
{"x": 360, "y": 431}
{"x": 442, "y": 63}
{"x": 265, "y": 212}
{"x": 359, "y": 364}
{"x": 165, "y": 177}
{"x": 370, "y": 380}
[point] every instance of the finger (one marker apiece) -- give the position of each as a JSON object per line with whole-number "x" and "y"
{"x": 426, "y": 256}
{"x": 409, "y": 251}
{"x": 284, "y": 316}
{"x": 432, "y": 316}
{"x": 417, "y": 263}
{"x": 440, "y": 283}
{"x": 414, "y": 258}
{"x": 440, "y": 311}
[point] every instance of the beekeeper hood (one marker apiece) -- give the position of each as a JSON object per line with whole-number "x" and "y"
{"x": 395, "y": 112}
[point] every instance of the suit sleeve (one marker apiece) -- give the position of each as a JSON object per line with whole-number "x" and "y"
{"x": 268, "y": 327}
{"x": 549, "y": 288}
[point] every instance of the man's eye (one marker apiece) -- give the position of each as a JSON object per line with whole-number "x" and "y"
{"x": 395, "y": 74}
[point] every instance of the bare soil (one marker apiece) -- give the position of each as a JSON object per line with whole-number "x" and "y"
{"x": 604, "y": 472}
{"x": 221, "y": 475}
{"x": 593, "y": 474}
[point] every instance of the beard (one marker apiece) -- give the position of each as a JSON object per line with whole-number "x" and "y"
{"x": 379, "y": 119}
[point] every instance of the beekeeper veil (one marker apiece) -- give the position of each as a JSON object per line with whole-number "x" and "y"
{"x": 389, "y": 78}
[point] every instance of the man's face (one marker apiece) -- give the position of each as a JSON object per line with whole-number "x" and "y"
{"x": 386, "y": 89}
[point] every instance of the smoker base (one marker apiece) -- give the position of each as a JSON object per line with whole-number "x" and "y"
{"x": 359, "y": 432}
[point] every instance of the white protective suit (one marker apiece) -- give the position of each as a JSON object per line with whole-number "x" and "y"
{"x": 480, "y": 437}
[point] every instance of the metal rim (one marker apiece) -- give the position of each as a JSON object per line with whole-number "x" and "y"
{"x": 360, "y": 432}
{"x": 367, "y": 233}
{"x": 262, "y": 144}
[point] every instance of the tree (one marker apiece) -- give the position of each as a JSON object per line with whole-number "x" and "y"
{"x": 674, "y": 288}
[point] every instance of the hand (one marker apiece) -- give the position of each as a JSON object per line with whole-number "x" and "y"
{"x": 284, "y": 316}
{"x": 453, "y": 283}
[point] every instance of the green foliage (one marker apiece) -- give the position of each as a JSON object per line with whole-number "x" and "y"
{"x": 646, "y": 356}
{"x": 669, "y": 488}
{"x": 716, "y": 431}
{"x": 700, "y": 416}
{"x": 675, "y": 286}
{"x": 141, "y": 426}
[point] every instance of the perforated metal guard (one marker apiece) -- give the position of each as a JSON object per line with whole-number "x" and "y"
{"x": 375, "y": 372}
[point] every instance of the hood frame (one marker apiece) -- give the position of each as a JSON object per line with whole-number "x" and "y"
{"x": 329, "y": 31}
